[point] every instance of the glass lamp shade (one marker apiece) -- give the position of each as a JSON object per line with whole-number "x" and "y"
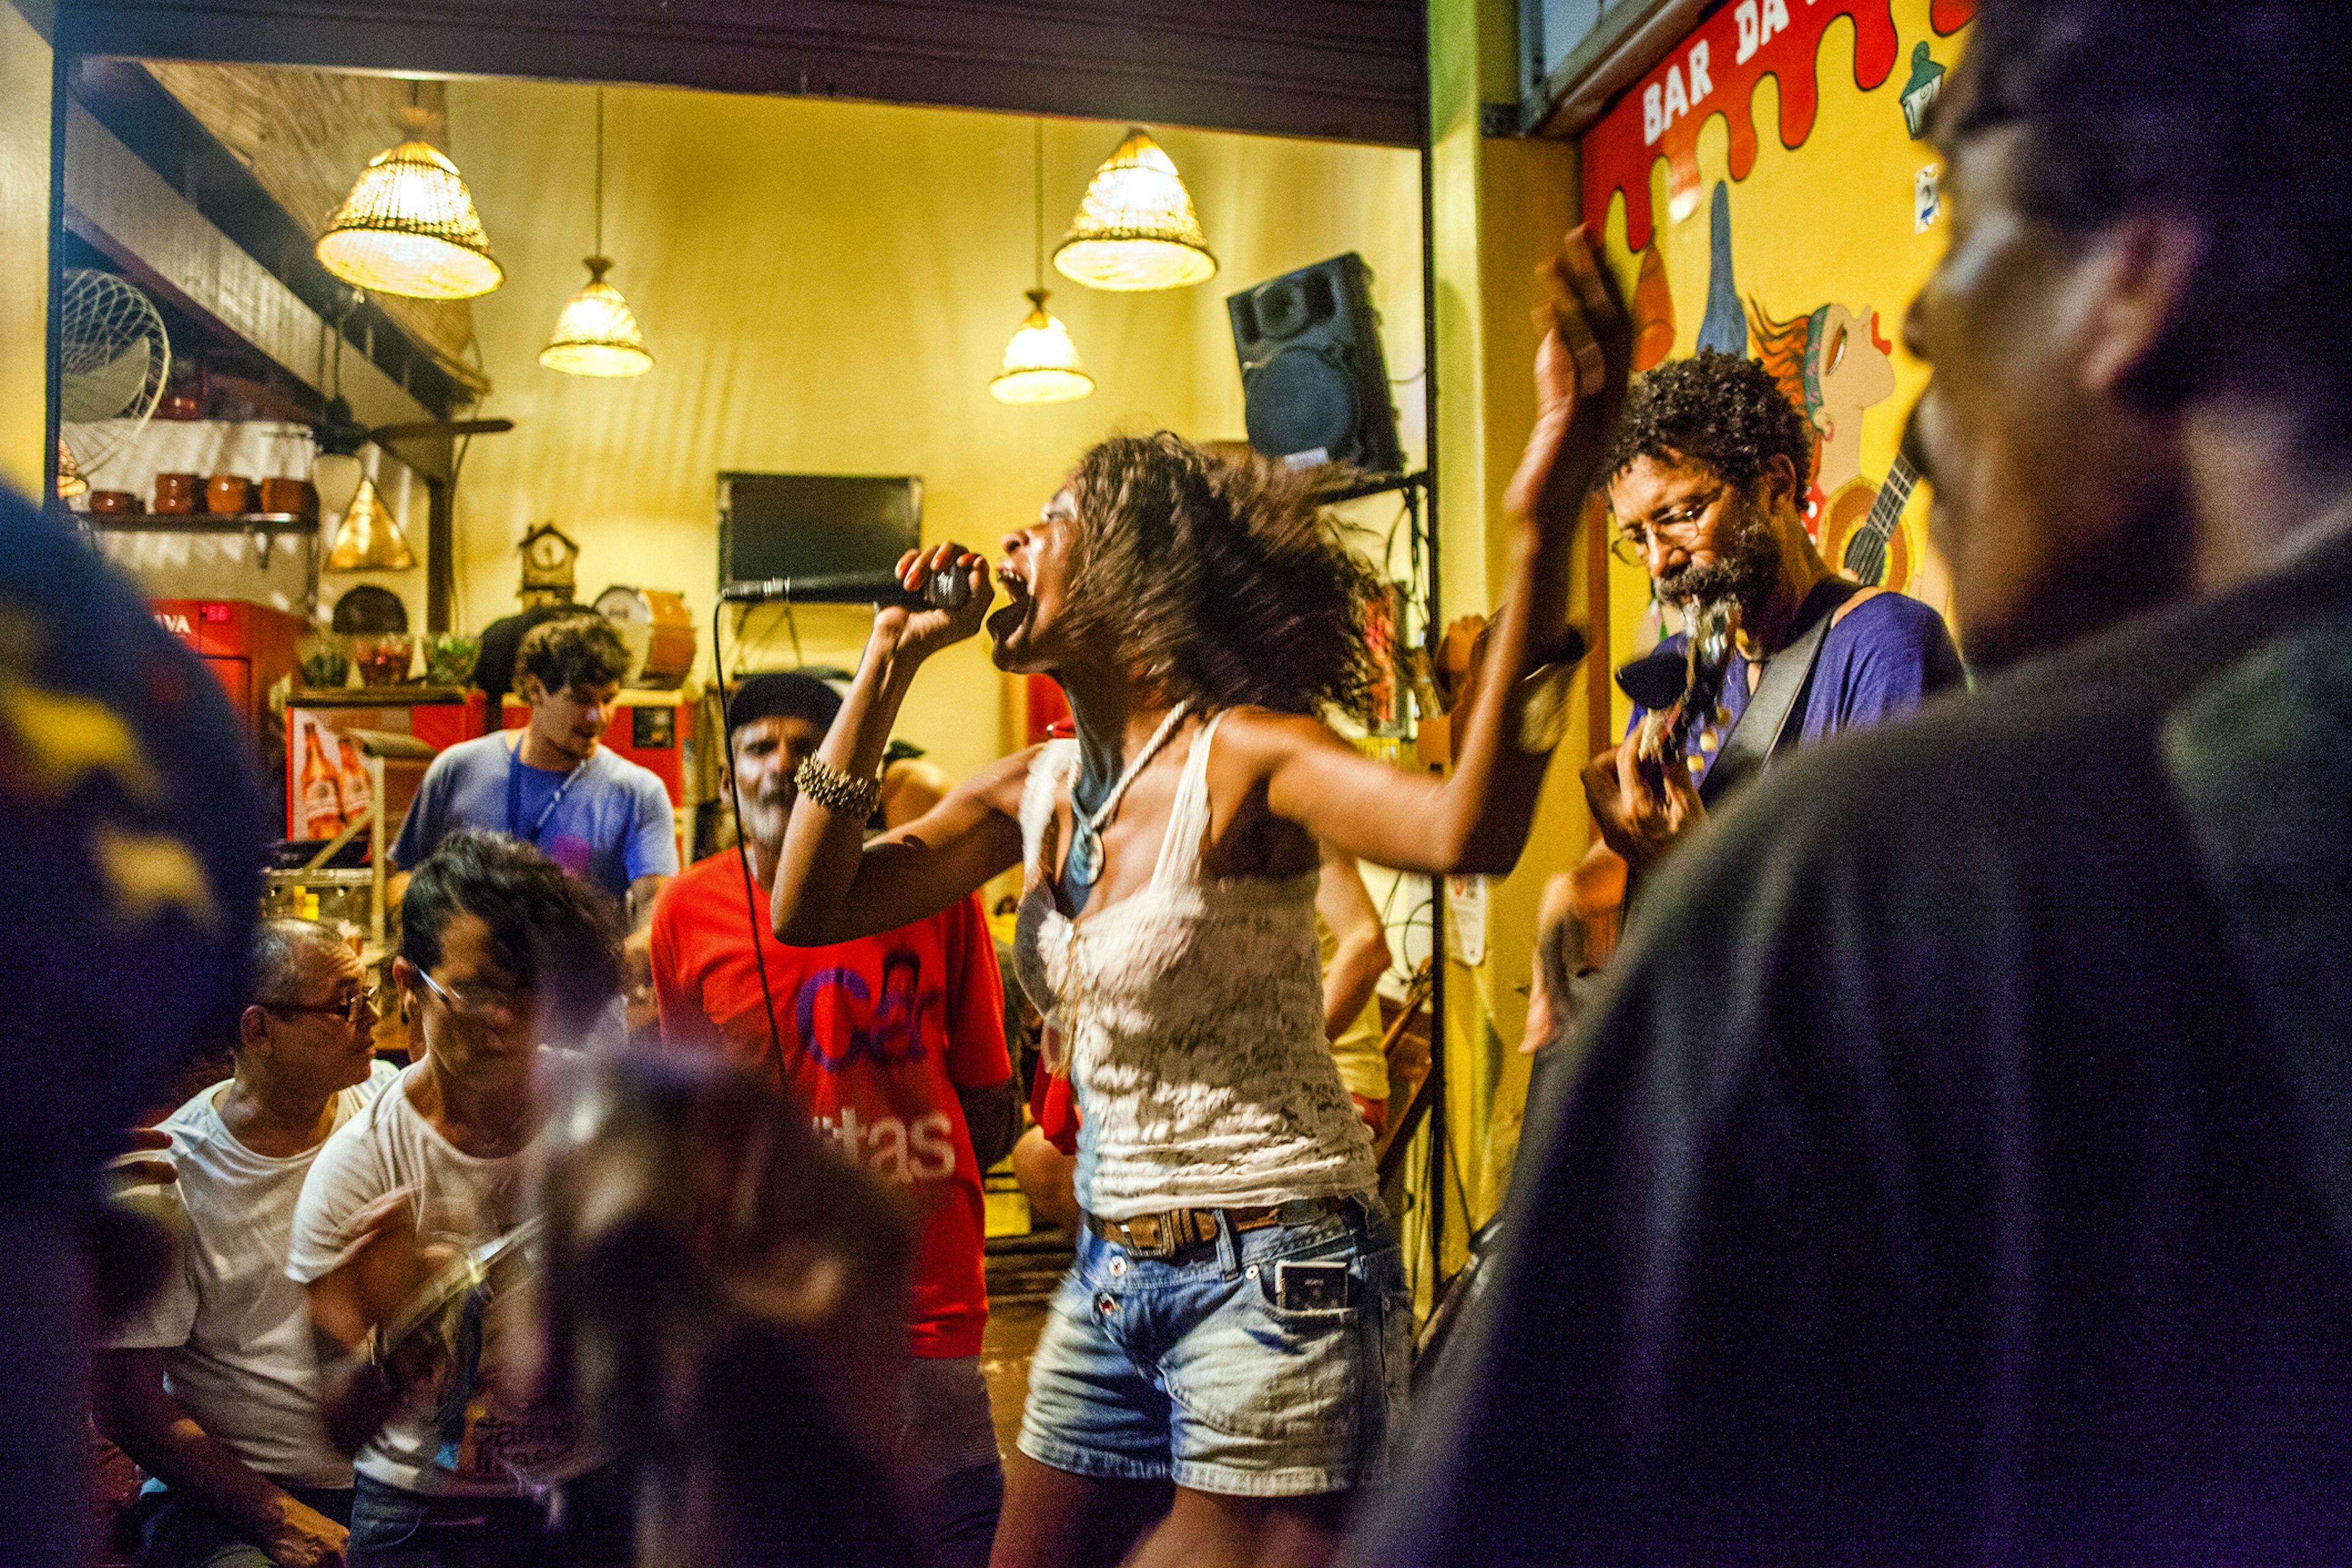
{"x": 409, "y": 228}
{"x": 337, "y": 477}
{"x": 597, "y": 333}
{"x": 369, "y": 538}
{"x": 1136, "y": 228}
{"x": 1041, "y": 363}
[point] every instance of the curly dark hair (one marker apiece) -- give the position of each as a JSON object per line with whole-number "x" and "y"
{"x": 1215, "y": 578}
{"x": 552, "y": 933}
{"x": 581, "y": 651}
{"x": 1714, "y": 408}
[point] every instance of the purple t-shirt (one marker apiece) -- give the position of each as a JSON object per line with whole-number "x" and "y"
{"x": 1886, "y": 656}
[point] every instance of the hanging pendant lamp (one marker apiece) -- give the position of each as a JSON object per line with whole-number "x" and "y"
{"x": 596, "y": 334}
{"x": 1041, "y": 363}
{"x": 369, "y": 538}
{"x": 1136, "y": 228}
{"x": 409, "y": 226}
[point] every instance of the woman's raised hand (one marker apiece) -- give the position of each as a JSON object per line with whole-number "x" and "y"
{"x": 920, "y": 633}
{"x": 1582, "y": 366}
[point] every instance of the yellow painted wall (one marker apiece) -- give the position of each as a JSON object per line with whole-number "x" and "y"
{"x": 24, "y": 249}
{"x": 1829, "y": 221}
{"x": 828, "y": 286}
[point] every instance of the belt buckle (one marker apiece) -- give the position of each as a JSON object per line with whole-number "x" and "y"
{"x": 1151, "y": 1236}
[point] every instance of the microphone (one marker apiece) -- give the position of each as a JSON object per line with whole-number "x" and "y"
{"x": 950, "y": 589}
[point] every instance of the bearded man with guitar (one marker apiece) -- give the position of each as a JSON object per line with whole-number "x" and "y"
{"x": 1705, "y": 484}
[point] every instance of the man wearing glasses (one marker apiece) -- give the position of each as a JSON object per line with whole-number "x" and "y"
{"x": 211, "y": 1386}
{"x": 1705, "y": 484}
{"x": 500, "y": 951}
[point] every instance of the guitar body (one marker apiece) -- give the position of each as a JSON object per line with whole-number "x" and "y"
{"x": 1844, "y": 517}
{"x": 1862, "y": 532}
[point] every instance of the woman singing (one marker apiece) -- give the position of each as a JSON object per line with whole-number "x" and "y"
{"x": 1237, "y": 1326}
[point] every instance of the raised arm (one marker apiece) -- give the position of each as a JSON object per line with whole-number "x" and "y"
{"x": 831, "y": 885}
{"x": 1477, "y": 818}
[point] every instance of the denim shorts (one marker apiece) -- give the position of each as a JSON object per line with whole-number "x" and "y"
{"x": 1191, "y": 1369}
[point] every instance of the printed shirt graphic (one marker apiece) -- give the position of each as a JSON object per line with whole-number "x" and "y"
{"x": 611, "y": 826}
{"x": 878, "y": 1036}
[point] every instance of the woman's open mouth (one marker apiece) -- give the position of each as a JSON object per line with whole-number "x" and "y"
{"x": 1009, "y": 618}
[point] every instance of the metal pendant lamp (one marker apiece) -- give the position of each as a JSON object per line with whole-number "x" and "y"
{"x": 1136, "y": 228}
{"x": 596, "y": 334}
{"x": 1041, "y": 363}
{"x": 369, "y": 538}
{"x": 409, "y": 226}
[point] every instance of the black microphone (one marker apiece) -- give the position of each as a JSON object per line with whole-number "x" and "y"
{"x": 947, "y": 589}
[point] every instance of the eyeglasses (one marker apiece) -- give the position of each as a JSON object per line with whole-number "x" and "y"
{"x": 350, "y": 1010}
{"x": 477, "y": 1001}
{"x": 1631, "y": 543}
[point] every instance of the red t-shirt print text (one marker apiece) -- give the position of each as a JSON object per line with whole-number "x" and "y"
{"x": 877, "y": 1037}
{"x": 838, "y": 1021}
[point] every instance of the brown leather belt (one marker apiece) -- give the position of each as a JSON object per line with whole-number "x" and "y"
{"x": 1171, "y": 1231}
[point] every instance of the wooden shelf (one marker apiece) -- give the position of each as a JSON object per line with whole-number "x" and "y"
{"x": 201, "y": 522}
{"x": 409, "y": 694}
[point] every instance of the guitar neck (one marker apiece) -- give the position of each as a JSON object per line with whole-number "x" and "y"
{"x": 1892, "y": 496}
{"x": 1865, "y": 552}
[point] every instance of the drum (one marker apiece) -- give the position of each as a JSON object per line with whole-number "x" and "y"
{"x": 659, "y": 630}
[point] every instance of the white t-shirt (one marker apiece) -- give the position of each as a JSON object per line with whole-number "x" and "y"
{"x": 491, "y": 1447}
{"x": 235, "y": 1332}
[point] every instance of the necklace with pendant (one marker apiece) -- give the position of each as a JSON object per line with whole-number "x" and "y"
{"x": 1085, "y": 860}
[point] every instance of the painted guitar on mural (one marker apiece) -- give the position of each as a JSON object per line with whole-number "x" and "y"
{"x": 1862, "y": 532}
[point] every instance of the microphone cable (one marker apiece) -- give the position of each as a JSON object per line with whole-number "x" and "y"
{"x": 743, "y": 854}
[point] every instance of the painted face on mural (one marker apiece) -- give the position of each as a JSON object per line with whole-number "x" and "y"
{"x": 1699, "y": 537}
{"x": 1853, "y": 372}
{"x": 2054, "y": 497}
{"x": 1033, "y": 570}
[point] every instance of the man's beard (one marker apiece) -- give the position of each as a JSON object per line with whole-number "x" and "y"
{"x": 1746, "y": 570}
{"x": 763, "y": 820}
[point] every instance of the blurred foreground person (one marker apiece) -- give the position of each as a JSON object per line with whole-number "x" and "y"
{"x": 725, "y": 1300}
{"x": 459, "y": 1453}
{"x": 894, "y": 1045}
{"x": 212, "y": 1386}
{"x": 131, "y": 816}
{"x": 1962, "y": 1166}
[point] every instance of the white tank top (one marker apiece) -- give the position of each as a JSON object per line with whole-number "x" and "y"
{"x": 1192, "y": 1014}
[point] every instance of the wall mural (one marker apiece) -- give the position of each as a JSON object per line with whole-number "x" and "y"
{"x": 1802, "y": 252}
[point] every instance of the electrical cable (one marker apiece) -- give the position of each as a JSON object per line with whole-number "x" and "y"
{"x": 743, "y": 854}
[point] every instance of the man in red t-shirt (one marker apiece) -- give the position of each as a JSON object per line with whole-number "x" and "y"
{"x": 896, "y": 1044}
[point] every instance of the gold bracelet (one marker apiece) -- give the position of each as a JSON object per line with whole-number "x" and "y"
{"x": 837, "y": 791}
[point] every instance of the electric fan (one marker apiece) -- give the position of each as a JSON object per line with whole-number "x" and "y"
{"x": 112, "y": 356}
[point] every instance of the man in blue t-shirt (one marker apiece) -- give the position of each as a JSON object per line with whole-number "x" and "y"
{"x": 551, "y": 784}
{"x": 1706, "y": 485}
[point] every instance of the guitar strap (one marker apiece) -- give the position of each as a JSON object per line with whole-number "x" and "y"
{"x": 1763, "y": 726}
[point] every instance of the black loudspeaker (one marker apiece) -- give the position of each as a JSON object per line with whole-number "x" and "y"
{"x": 1315, "y": 385}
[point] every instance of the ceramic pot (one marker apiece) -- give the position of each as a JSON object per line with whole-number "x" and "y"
{"x": 288, "y": 495}
{"x": 227, "y": 494}
{"x": 114, "y": 504}
{"x": 175, "y": 494}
